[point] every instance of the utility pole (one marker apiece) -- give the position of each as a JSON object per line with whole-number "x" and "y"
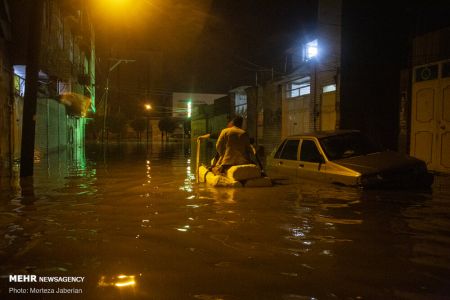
{"x": 31, "y": 89}
{"x": 105, "y": 108}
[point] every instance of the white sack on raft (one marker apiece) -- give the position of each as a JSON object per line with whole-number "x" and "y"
{"x": 216, "y": 180}
{"x": 244, "y": 172}
{"x": 225, "y": 181}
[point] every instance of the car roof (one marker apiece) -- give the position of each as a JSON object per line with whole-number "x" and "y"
{"x": 322, "y": 134}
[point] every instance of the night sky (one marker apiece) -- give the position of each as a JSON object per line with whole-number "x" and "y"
{"x": 212, "y": 46}
{"x": 208, "y": 46}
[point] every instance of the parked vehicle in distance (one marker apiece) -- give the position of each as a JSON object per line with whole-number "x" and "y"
{"x": 346, "y": 157}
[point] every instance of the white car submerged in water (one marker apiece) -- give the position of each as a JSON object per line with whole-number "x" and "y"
{"x": 348, "y": 158}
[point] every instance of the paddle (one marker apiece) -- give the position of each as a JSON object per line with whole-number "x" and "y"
{"x": 197, "y": 162}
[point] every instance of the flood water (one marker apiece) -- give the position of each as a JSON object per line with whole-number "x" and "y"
{"x": 136, "y": 225}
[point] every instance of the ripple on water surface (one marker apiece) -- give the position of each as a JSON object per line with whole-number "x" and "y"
{"x": 134, "y": 222}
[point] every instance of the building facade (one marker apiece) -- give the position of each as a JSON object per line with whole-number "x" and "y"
{"x": 310, "y": 92}
{"x": 425, "y": 101}
{"x": 66, "y": 81}
{"x": 307, "y": 97}
{"x": 6, "y": 99}
{"x": 184, "y": 102}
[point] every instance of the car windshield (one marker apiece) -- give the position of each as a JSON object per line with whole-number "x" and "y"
{"x": 348, "y": 145}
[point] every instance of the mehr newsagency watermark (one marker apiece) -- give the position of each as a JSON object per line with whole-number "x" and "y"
{"x": 45, "y": 280}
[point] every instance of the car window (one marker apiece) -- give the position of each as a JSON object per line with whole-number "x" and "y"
{"x": 309, "y": 152}
{"x": 348, "y": 145}
{"x": 290, "y": 150}
{"x": 278, "y": 153}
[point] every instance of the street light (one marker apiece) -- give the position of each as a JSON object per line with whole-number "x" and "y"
{"x": 312, "y": 49}
{"x": 148, "y": 107}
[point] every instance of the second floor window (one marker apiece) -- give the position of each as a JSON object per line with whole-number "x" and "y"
{"x": 298, "y": 88}
{"x": 241, "y": 104}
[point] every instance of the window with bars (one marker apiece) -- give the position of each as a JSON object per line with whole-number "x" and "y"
{"x": 241, "y": 104}
{"x": 298, "y": 88}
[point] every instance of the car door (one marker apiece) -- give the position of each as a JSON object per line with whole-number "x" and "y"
{"x": 311, "y": 160}
{"x": 286, "y": 158}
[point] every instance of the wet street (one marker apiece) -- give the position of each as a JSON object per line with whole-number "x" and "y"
{"x": 136, "y": 225}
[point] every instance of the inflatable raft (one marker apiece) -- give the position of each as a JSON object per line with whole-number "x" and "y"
{"x": 236, "y": 176}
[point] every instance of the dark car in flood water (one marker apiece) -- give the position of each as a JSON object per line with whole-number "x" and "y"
{"x": 346, "y": 157}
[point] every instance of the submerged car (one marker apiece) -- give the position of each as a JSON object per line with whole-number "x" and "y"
{"x": 346, "y": 158}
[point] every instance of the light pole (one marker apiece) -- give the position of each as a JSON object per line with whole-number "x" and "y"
{"x": 148, "y": 107}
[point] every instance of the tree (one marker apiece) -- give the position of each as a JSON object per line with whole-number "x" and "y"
{"x": 167, "y": 125}
{"x": 94, "y": 127}
{"x": 139, "y": 125}
{"x": 116, "y": 124}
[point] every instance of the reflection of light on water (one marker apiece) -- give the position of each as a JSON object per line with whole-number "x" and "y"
{"x": 190, "y": 177}
{"x": 224, "y": 195}
{"x": 148, "y": 172}
{"x": 193, "y": 205}
{"x": 126, "y": 281}
{"x": 297, "y": 232}
{"x": 301, "y": 233}
{"x": 184, "y": 229}
{"x": 145, "y": 223}
{"x": 119, "y": 281}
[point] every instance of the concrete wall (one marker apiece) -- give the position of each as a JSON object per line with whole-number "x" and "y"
{"x": 329, "y": 59}
{"x": 54, "y": 129}
{"x": 431, "y": 47}
{"x": 252, "y": 111}
{"x": 369, "y": 72}
{"x": 64, "y": 56}
{"x": 272, "y": 94}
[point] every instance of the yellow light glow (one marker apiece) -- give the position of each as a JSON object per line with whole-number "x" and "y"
{"x": 115, "y": 4}
{"x": 148, "y": 106}
{"x": 126, "y": 283}
{"x": 118, "y": 12}
{"x": 117, "y": 281}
